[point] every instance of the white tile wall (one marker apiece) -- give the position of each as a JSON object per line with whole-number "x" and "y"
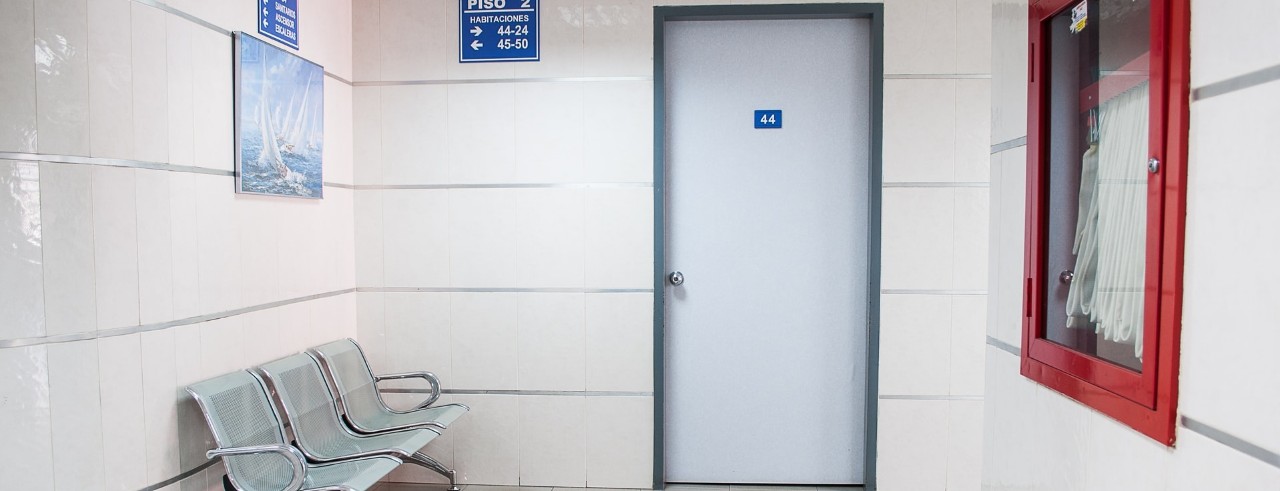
{"x": 482, "y": 132}
{"x": 123, "y": 429}
{"x": 21, "y": 268}
{"x": 413, "y": 134}
{"x": 1242, "y": 32}
{"x": 115, "y": 244}
{"x": 155, "y": 246}
{"x": 618, "y": 37}
{"x": 482, "y": 237}
{"x": 417, "y": 329}
{"x": 1008, "y": 70}
{"x": 416, "y": 237}
{"x": 619, "y": 442}
{"x": 550, "y": 238}
{"x": 619, "y": 238}
{"x": 915, "y": 344}
{"x": 25, "y": 418}
{"x": 487, "y": 440}
{"x": 97, "y": 247}
{"x": 62, "y": 77}
{"x": 552, "y": 339}
{"x": 76, "y": 414}
{"x": 618, "y": 138}
{"x": 920, "y": 36}
{"x": 180, "y": 92}
{"x": 66, "y": 215}
{"x": 619, "y": 342}
{"x": 920, "y": 130}
{"x": 1224, "y": 257}
{"x": 484, "y": 340}
{"x": 553, "y": 441}
{"x": 17, "y": 77}
{"x": 917, "y": 248}
{"x": 159, "y": 387}
{"x": 913, "y": 431}
{"x": 110, "y": 79}
{"x": 149, "y": 56}
{"x": 934, "y": 245}
{"x": 549, "y": 126}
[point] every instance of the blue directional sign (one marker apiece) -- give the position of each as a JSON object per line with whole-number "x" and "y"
{"x": 278, "y": 20}
{"x": 768, "y": 118}
{"x": 497, "y": 30}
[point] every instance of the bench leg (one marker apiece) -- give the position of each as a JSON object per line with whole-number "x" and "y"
{"x": 427, "y": 461}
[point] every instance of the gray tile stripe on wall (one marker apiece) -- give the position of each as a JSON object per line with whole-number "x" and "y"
{"x": 392, "y": 83}
{"x": 1231, "y": 441}
{"x": 212, "y": 27}
{"x": 1237, "y": 83}
{"x": 937, "y": 76}
{"x": 586, "y": 393}
{"x": 512, "y": 185}
{"x": 428, "y": 289}
{"x": 137, "y": 164}
{"x": 1009, "y": 145}
{"x": 196, "y": 20}
{"x": 929, "y": 397}
{"x": 336, "y": 78}
{"x": 936, "y": 185}
{"x": 907, "y": 291}
{"x": 180, "y": 477}
{"x": 1003, "y": 346}
{"x": 125, "y": 331}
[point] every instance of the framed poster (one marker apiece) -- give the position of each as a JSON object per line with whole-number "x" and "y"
{"x": 279, "y": 106}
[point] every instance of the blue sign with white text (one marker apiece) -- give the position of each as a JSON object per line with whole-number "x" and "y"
{"x": 768, "y": 118}
{"x": 497, "y": 30}
{"x": 278, "y": 20}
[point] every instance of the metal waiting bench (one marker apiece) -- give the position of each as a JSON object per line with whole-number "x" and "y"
{"x": 254, "y": 450}
{"x": 356, "y": 388}
{"x": 325, "y": 454}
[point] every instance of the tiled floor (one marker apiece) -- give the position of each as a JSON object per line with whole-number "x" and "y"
{"x": 670, "y": 487}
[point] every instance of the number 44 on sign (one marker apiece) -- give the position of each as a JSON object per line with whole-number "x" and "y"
{"x": 768, "y": 118}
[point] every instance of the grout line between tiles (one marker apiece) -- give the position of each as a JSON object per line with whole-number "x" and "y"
{"x": 1231, "y": 441}
{"x": 1003, "y": 346}
{"x": 1008, "y": 145}
{"x": 575, "y": 393}
{"x": 910, "y": 291}
{"x": 913, "y": 397}
{"x": 159, "y": 326}
{"x": 1237, "y": 83}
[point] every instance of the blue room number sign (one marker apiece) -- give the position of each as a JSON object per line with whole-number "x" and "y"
{"x": 278, "y": 20}
{"x": 497, "y": 30}
{"x": 768, "y": 118}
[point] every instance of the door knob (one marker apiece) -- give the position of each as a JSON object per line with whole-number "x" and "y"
{"x": 676, "y": 278}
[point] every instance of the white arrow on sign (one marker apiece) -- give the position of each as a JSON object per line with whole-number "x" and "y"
{"x": 264, "y": 12}
{"x": 476, "y": 30}
{"x": 476, "y": 45}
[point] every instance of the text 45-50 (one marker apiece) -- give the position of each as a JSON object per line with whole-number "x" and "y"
{"x": 513, "y": 44}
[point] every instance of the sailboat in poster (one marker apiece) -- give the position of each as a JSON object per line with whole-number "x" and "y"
{"x": 281, "y": 127}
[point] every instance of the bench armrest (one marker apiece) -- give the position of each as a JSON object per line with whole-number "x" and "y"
{"x": 431, "y": 378}
{"x": 291, "y": 454}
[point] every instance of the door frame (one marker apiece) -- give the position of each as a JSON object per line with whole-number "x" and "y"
{"x": 661, "y": 15}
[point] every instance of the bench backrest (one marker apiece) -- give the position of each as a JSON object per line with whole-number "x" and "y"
{"x": 309, "y": 406}
{"x": 352, "y": 378}
{"x": 240, "y": 414}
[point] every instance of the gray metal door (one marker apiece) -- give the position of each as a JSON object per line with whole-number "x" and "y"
{"x": 766, "y": 333}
